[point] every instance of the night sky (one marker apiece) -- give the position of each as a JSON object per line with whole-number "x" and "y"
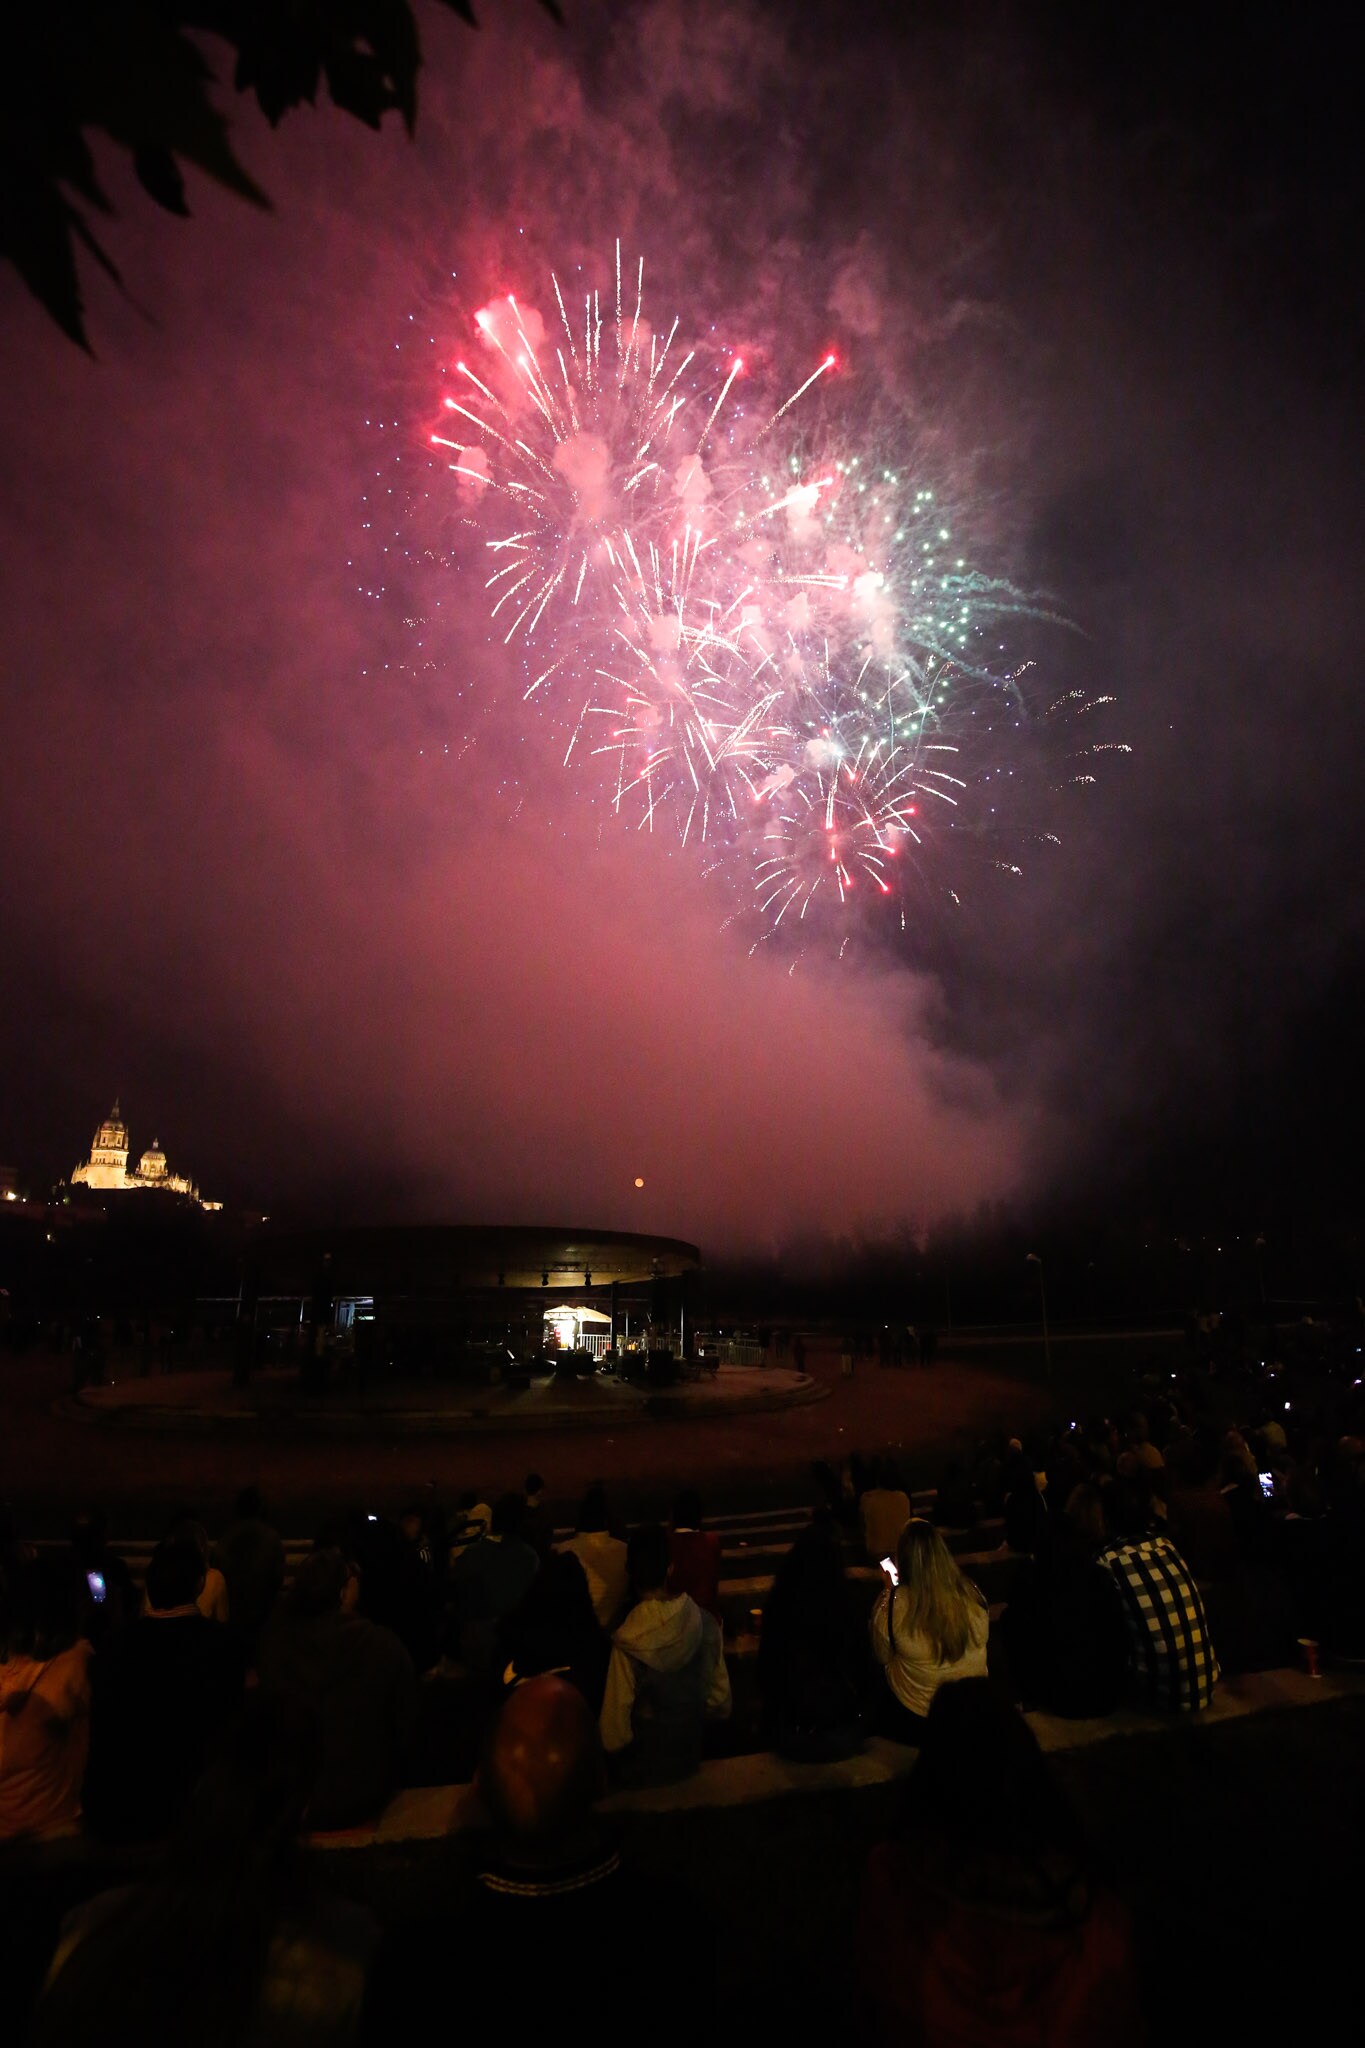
{"x": 345, "y": 942}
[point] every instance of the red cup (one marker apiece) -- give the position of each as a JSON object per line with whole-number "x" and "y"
{"x": 1308, "y": 1650}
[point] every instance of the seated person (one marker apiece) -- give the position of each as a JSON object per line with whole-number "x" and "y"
{"x": 162, "y": 1693}
{"x": 398, "y": 1584}
{"x": 1342, "y": 1582}
{"x": 471, "y": 1521}
{"x": 602, "y": 1556}
{"x": 234, "y": 1942}
{"x": 251, "y": 1558}
{"x": 113, "y": 1595}
{"x": 1063, "y": 1627}
{"x": 955, "y": 1505}
{"x": 1024, "y": 1487}
{"x": 1141, "y": 1445}
{"x": 884, "y": 1510}
{"x": 353, "y": 1677}
{"x": 1171, "y": 1661}
{"x": 813, "y": 1661}
{"x": 984, "y": 1919}
{"x": 492, "y": 1576}
{"x": 1200, "y": 1523}
{"x": 213, "y": 1594}
{"x": 44, "y": 1698}
{"x": 555, "y": 1630}
{"x": 926, "y": 1629}
{"x": 552, "y": 1893}
{"x": 538, "y": 1527}
{"x": 490, "y": 1579}
{"x": 694, "y": 1554}
{"x": 667, "y": 1675}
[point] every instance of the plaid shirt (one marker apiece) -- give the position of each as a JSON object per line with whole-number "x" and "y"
{"x": 1168, "y": 1631}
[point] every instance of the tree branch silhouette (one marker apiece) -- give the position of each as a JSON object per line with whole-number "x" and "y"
{"x": 137, "y": 73}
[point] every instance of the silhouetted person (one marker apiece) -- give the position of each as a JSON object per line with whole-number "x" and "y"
{"x": 235, "y": 1945}
{"x": 602, "y": 1555}
{"x": 560, "y": 1931}
{"x": 114, "y": 1599}
{"x": 814, "y": 1667}
{"x": 251, "y": 1559}
{"x": 984, "y": 1920}
{"x": 538, "y": 1523}
{"x": 884, "y": 1510}
{"x": 398, "y": 1584}
{"x": 492, "y": 1578}
{"x": 353, "y": 1677}
{"x": 1025, "y": 1502}
{"x": 955, "y": 1505}
{"x": 1064, "y": 1626}
{"x": 554, "y": 1630}
{"x": 694, "y": 1554}
{"x": 161, "y": 1695}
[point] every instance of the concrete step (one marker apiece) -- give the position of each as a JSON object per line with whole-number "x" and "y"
{"x": 429, "y": 1812}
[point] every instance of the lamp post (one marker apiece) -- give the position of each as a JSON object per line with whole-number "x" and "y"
{"x": 1032, "y": 1259}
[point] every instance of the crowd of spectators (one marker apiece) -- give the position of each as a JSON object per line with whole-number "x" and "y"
{"x": 203, "y": 1718}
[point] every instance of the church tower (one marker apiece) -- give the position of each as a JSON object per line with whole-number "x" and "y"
{"x": 107, "y": 1166}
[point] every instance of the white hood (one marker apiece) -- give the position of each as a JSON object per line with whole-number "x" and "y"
{"x": 664, "y": 1634}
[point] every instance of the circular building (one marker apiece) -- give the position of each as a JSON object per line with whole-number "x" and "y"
{"x": 440, "y": 1299}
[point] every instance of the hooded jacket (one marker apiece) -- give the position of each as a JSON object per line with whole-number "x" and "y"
{"x": 666, "y": 1678}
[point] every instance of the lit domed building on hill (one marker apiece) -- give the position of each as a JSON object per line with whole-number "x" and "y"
{"x": 107, "y": 1170}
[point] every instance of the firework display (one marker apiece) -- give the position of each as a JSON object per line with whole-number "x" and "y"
{"x": 761, "y": 638}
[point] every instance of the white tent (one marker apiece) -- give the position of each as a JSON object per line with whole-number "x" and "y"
{"x": 568, "y": 1323}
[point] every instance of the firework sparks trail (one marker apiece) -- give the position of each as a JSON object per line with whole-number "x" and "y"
{"x": 779, "y": 649}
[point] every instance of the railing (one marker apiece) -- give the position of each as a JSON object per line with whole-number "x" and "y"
{"x": 735, "y": 1351}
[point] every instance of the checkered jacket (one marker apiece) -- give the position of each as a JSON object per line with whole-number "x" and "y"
{"x": 1168, "y": 1631}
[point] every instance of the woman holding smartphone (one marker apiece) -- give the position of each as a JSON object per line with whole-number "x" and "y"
{"x": 929, "y": 1626}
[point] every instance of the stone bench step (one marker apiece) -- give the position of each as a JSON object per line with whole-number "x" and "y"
{"x": 425, "y": 1813}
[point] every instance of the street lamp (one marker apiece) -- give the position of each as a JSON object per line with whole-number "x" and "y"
{"x": 1032, "y": 1259}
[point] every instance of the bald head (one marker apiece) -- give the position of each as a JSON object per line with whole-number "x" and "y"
{"x": 542, "y": 1768}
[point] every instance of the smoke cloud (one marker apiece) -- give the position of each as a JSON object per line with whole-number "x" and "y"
{"x": 291, "y": 875}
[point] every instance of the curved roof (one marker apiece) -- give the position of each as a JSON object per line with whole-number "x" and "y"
{"x": 435, "y": 1259}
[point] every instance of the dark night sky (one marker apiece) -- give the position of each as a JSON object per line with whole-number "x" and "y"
{"x": 1117, "y": 283}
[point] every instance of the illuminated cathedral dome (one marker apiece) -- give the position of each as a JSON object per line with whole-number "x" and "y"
{"x": 152, "y": 1165}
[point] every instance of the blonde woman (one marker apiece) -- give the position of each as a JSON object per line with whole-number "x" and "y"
{"x": 930, "y": 1625}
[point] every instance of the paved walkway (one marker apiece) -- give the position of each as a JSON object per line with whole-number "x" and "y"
{"x": 51, "y": 1466}
{"x": 209, "y": 1402}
